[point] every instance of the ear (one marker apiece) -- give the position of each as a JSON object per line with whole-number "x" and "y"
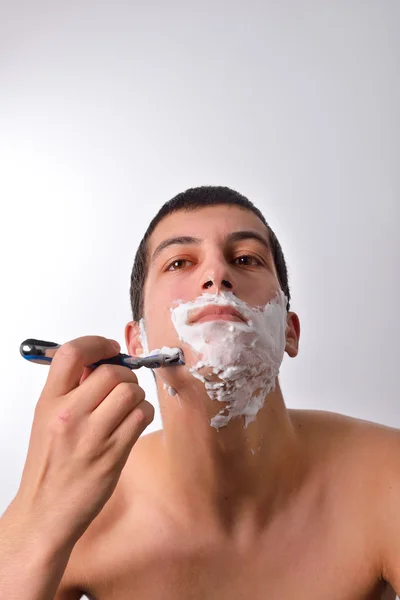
{"x": 292, "y": 334}
{"x": 132, "y": 339}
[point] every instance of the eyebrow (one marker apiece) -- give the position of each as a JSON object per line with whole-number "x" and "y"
{"x": 236, "y": 236}
{"x": 182, "y": 240}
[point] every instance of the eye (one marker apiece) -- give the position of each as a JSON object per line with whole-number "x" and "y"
{"x": 246, "y": 260}
{"x": 178, "y": 264}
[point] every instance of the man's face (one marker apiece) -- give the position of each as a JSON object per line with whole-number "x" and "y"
{"x": 224, "y": 249}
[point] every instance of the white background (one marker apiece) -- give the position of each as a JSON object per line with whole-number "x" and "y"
{"x": 107, "y": 110}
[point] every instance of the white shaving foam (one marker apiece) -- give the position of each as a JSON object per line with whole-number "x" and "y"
{"x": 238, "y": 361}
{"x": 171, "y": 390}
{"x": 164, "y": 350}
{"x": 143, "y": 339}
{"x": 169, "y": 352}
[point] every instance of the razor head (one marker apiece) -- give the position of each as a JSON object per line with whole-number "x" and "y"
{"x": 155, "y": 361}
{"x": 175, "y": 359}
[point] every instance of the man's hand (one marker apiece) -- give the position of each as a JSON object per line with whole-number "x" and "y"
{"x": 85, "y": 425}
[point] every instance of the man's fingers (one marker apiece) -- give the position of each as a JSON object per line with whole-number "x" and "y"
{"x": 86, "y": 372}
{"x": 115, "y": 407}
{"x": 70, "y": 360}
{"x": 98, "y": 385}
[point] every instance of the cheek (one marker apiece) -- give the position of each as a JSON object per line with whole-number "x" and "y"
{"x": 160, "y": 330}
{"x": 159, "y": 299}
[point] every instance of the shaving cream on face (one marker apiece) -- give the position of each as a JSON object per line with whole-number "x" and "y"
{"x": 143, "y": 338}
{"x": 238, "y": 360}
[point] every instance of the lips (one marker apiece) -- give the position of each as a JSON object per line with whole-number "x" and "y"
{"x": 209, "y": 313}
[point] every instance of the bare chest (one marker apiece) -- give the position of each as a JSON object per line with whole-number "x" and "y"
{"x": 311, "y": 560}
{"x": 189, "y": 579}
{"x": 320, "y": 546}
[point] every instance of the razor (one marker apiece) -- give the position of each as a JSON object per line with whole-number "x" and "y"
{"x": 42, "y": 352}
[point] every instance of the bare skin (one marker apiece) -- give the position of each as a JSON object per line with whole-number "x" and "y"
{"x": 294, "y": 505}
{"x": 321, "y": 544}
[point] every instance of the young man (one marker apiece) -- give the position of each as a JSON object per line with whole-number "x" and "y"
{"x": 298, "y": 504}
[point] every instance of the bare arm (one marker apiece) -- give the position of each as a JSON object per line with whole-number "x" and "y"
{"x": 85, "y": 425}
{"x": 31, "y": 565}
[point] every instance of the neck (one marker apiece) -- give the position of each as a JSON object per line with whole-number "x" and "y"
{"x": 232, "y": 474}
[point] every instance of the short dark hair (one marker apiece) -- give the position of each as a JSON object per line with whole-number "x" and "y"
{"x": 190, "y": 200}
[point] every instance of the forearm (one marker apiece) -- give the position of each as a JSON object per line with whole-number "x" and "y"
{"x": 31, "y": 566}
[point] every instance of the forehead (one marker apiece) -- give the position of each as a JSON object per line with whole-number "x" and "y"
{"x": 208, "y": 223}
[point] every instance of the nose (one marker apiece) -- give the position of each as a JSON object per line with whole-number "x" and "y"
{"x": 217, "y": 274}
{"x": 225, "y": 284}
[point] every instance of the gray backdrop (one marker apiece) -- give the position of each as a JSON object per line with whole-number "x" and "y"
{"x": 109, "y": 109}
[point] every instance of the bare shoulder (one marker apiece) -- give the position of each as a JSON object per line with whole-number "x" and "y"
{"x": 363, "y": 448}
{"x": 361, "y": 462}
{"x": 343, "y": 431}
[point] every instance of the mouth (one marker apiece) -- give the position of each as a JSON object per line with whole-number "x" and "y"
{"x": 213, "y": 313}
